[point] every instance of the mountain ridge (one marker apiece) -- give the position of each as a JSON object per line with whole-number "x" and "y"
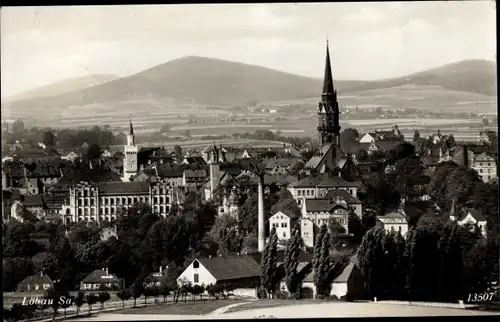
{"x": 213, "y": 81}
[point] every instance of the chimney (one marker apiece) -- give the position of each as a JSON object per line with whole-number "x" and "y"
{"x": 161, "y": 269}
{"x": 41, "y": 272}
{"x": 261, "y": 220}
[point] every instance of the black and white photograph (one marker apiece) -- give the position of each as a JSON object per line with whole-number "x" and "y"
{"x": 249, "y": 161}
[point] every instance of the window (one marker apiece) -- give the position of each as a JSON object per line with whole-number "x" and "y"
{"x": 196, "y": 264}
{"x": 92, "y": 201}
{"x": 156, "y": 200}
{"x": 80, "y": 211}
{"x": 284, "y": 234}
{"x": 284, "y": 225}
{"x": 196, "y": 278}
{"x": 86, "y": 202}
{"x": 112, "y": 201}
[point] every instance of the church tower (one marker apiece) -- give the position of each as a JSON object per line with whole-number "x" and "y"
{"x": 130, "y": 166}
{"x": 327, "y": 157}
{"x": 213, "y": 162}
{"x": 328, "y": 111}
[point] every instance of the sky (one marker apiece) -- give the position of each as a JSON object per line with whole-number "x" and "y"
{"x": 368, "y": 41}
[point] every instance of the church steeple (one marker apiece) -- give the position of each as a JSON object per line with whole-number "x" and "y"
{"x": 328, "y": 79}
{"x": 130, "y": 127}
{"x": 328, "y": 111}
{"x": 130, "y": 136}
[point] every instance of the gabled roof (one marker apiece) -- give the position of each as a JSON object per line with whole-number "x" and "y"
{"x": 231, "y": 267}
{"x": 346, "y": 273}
{"x": 123, "y": 188}
{"x": 316, "y": 159}
{"x": 335, "y": 181}
{"x": 280, "y": 213}
{"x": 339, "y": 193}
{"x": 39, "y": 278}
{"x": 477, "y": 215}
{"x": 100, "y": 276}
{"x": 280, "y": 180}
{"x": 322, "y": 205}
{"x": 84, "y": 173}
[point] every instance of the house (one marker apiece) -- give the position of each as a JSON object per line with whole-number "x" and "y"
{"x": 282, "y": 223}
{"x": 346, "y": 279}
{"x": 100, "y": 279}
{"x": 156, "y": 279}
{"x": 242, "y": 271}
{"x": 471, "y": 217}
{"x": 39, "y": 282}
{"x": 395, "y": 221}
{"x": 308, "y": 231}
{"x": 107, "y": 233}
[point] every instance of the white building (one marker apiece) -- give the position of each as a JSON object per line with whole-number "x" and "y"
{"x": 281, "y": 222}
{"x": 242, "y": 271}
{"x": 472, "y": 217}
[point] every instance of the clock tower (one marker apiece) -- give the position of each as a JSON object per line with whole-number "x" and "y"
{"x": 130, "y": 166}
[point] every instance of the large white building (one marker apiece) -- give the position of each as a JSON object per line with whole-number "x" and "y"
{"x": 94, "y": 202}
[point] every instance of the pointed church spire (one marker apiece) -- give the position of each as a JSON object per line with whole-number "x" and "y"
{"x": 328, "y": 79}
{"x": 130, "y": 127}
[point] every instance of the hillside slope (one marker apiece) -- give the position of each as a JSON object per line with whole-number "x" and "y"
{"x": 217, "y": 82}
{"x": 63, "y": 86}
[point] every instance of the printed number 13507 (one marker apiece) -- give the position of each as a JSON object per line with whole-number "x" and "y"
{"x": 480, "y": 297}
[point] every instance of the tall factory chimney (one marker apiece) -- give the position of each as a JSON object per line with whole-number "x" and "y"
{"x": 262, "y": 221}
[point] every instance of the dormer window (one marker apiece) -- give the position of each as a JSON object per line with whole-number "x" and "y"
{"x": 196, "y": 264}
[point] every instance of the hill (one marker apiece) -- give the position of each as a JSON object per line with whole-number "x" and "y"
{"x": 207, "y": 81}
{"x": 63, "y": 86}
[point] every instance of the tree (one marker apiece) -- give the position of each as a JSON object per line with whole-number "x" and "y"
{"x": 91, "y": 299}
{"x": 287, "y": 204}
{"x": 79, "y": 301}
{"x": 416, "y": 137}
{"x": 400, "y": 152}
{"x": 451, "y": 263}
{"x": 52, "y": 295}
{"x": 349, "y": 136}
{"x": 136, "y": 291}
{"x": 335, "y": 231}
{"x": 178, "y": 150}
{"x": 317, "y": 247}
{"x": 321, "y": 275}
{"x": 93, "y": 152}
{"x": 18, "y": 127}
{"x": 371, "y": 260}
{"x": 269, "y": 262}
{"x": 291, "y": 264}
{"x": 165, "y": 291}
{"x": 48, "y": 139}
{"x": 123, "y": 295}
{"x": 103, "y": 297}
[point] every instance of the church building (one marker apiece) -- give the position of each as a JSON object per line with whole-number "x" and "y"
{"x": 330, "y": 158}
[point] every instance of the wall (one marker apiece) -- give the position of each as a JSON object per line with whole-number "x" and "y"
{"x": 339, "y": 289}
{"x": 280, "y": 219}
{"x": 204, "y": 276}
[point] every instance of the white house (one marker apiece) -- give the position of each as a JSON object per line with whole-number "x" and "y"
{"x": 348, "y": 279}
{"x": 242, "y": 271}
{"x": 367, "y": 138}
{"x": 393, "y": 221}
{"x": 472, "y": 217}
{"x": 308, "y": 231}
{"x": 281, "y": 222}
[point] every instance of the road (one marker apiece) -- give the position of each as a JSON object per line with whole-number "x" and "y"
{"x": 326, "y": 310}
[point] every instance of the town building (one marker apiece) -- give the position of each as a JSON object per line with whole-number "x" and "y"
{"x": 130, "y": 165}
{"x": 394, "y": 221}
{"x": 282, "y": 223}
{"x": 100, "y": 279}
{"x": 94, "y": 202}
{"x": 378, "y": 136}
{"x": 36, "y": 283}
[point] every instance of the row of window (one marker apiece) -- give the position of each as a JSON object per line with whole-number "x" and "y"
{"x": 112, "y": 210}
{"x": 118, "y": 200}
{"x": 277, "y": 225}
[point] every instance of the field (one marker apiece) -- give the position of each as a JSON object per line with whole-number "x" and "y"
{"x": 201, "y": 307}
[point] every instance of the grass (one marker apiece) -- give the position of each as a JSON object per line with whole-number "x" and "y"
{"x": 262, "y": 304}
{"x": 199, "y": 307}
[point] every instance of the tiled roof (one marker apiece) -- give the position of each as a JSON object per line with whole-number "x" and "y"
{"x": 32, "y": 200}
{"x": 123, "y": 188}
{"x": 322, "y": 205}
{"x": 195, "y": 173}
{"x": 334, "y": 193}
{"x": 84, "y": 173}
{"x": 279, "y": 179}
{"x": 196, "y": 160}
{"x": 39, "y": 278}
{"x": 393, "y": 215}
{"x": 475, "y": 214}
{"x": 308, "y": 182}
{"x": 335, "y": 181}
{"x": 231, "y": 267}
{"x": 316, "y": 159}
{"x": 98, "y": 276}
{"x": 346, "y": 273}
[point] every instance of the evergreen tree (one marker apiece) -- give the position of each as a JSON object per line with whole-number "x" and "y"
{"x": 269, "y": 262}
{"x": 400, "y": 278}
{"x": 451, "y": 263}
{"x": 323, "y": 264}
{"x": 291, "y": 264}
{"x": 317, "y": 246}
